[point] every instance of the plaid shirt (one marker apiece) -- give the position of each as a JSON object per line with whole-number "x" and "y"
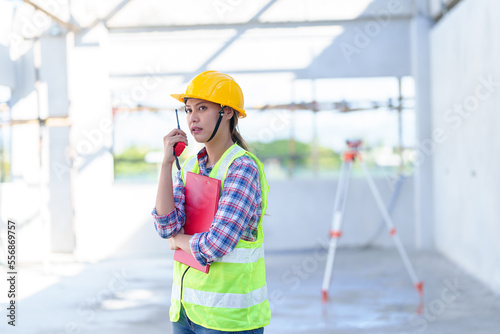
{"x": 237, "y": 215}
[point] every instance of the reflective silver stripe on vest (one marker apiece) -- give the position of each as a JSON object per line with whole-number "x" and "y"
{"x": 216, "y": 299}
{"x": 225, "y": 300}
{"x": 176, "y": 292}
{"x": 224, "y": 163}
{"x": 188, "y": 167}
{"x": 242, "y": 255}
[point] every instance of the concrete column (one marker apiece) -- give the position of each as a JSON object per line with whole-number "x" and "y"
{"x": 6, "y": 64}
{"x": 420, "y": 60}
{"x": 6, "y": 68}
{"x": 91, "y": 140}
{"x": 54, "y": 102}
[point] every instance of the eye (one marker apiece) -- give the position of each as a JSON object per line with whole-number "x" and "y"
{"x": 203, "y": 108}
{"x": 187, "y": 110}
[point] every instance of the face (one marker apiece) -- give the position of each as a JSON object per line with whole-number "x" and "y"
{"x": 201, "y": 118}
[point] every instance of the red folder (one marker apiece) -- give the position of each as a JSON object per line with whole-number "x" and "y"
{"x": 202, "y": 198}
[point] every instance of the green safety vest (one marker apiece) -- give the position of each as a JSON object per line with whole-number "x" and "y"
{"x": 233, "y": 295}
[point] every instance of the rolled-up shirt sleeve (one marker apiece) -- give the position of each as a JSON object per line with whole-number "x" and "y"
{"x": 239, "y": 203}
{"x": 170, "y": 224}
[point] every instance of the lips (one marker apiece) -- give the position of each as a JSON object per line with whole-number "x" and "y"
{"x": 196, "y": 129}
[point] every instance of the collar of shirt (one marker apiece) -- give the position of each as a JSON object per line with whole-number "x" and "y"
{"x": 202, "y": 162}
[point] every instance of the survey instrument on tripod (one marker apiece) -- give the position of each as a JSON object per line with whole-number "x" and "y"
{"x": 351, "y": 155}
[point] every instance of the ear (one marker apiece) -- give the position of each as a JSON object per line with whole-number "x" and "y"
{"x": 228, "y": 112}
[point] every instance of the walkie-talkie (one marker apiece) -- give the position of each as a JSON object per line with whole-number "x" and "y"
{"x": 180, "y": 146}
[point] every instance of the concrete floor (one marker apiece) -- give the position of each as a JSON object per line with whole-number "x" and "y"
{"x": 371, "y": 293}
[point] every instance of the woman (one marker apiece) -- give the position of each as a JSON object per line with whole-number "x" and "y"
{"x": 233, "y": 295}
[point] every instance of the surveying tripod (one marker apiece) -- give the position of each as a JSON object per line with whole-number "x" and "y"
{"x": 348, "y": 158}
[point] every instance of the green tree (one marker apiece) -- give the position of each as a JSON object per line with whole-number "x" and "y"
{"x": 131, "y": 164}
{"x": 302, "y": 156}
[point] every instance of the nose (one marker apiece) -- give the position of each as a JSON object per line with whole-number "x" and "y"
{"x": 193, "y": 117}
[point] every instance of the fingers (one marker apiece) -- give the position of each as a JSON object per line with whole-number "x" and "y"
{"x": 175, "y": 136}
{"x": 179, "y": 138}
{"x": 175, "y": 132}
{"x": 171, "y": 244}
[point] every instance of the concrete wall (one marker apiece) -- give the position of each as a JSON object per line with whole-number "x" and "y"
{"x": 118, "y": 217}
{"x": 465, "y": 71}
{"x": 300, "y": 214}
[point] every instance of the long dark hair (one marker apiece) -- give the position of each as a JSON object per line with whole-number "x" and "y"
{"x": 235, "y": 134}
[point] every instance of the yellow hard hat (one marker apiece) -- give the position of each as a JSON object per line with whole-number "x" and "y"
{"x": 215, "y": 87}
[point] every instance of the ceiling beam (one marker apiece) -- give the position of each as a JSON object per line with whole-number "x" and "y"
{"x": 110, "y": 15}
{"x": 68, "y": 25}
{"x": 171, "y": 74}
{"x": 244, "y": 25}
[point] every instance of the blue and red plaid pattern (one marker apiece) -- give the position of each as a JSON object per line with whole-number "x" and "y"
{"x": 238, "y": 213}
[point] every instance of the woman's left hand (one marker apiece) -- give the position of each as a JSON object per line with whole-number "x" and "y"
{"x": 171, "y": 241}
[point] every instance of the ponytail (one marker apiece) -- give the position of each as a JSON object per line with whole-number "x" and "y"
{"x": 235, "y": 134}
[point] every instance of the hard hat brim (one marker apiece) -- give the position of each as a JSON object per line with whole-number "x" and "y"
{"x": 181, "y": 97}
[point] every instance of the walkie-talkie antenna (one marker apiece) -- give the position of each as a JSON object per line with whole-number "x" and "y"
{"x": 177, "y": 116}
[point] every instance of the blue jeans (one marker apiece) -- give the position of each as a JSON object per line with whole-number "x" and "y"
{"x": 185, "y": 326}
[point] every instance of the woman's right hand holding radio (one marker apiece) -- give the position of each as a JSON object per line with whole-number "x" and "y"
{"x": 176, "y": 136}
